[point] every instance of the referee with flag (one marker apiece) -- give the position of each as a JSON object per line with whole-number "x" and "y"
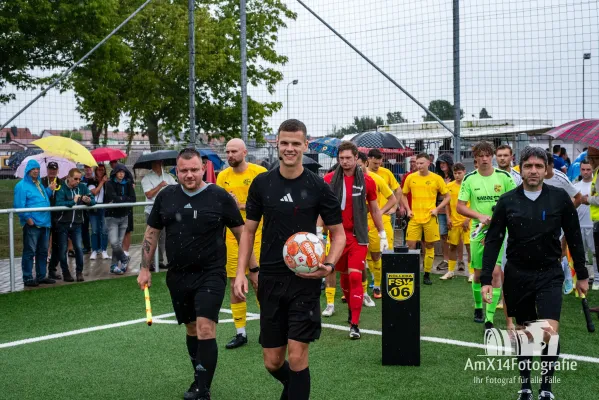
{"x": 534, "y": 215}
{"x": 194, "y": 215}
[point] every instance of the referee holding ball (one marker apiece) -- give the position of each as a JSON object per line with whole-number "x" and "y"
{"x": 290, "y": 198}
{"x": 534, "y": 215}
{"x": 194, "y": 215}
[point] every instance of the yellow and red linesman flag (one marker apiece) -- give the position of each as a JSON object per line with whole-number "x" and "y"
{"x": 148, "y": 306}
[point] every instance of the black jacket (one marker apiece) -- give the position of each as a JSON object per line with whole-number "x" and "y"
{"x": 118, "y": 192}
{"x": 534, "y": 229}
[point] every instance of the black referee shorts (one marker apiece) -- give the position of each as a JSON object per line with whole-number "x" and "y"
{"x": 289, "y": 309}
{"x": 196, "y": 293}
{"x": 531, "y": 295}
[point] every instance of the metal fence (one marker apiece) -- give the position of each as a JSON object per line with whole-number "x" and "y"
{"x": 14, "y": 246}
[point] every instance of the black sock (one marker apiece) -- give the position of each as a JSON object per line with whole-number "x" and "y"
{"x": 282, "y": 374}
{"x": 192, "y": 349}
{"x": 206, "y": 358}
{"x": 299, "y": 385}
{"x": 524, "y": 365}
{"x": 548, "y": 368}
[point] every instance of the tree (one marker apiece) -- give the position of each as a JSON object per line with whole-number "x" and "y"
{"x": 395, "y": 118}
{"x": 442, "y": 109}
{"x": 484, "y": 114}
{"x": 42, "y": 35}
{"x": 361, "y": 124}
{"x": 74, "y": 134}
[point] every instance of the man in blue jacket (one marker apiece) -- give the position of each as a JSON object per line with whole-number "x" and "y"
{"x": 69, "y": 223}
{"x": 29, "y": 193}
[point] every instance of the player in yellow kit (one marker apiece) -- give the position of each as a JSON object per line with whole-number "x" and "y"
{"x": 375, "y": 159}
{"x": 459, "y": 226}
{"x": 236, "y": 179}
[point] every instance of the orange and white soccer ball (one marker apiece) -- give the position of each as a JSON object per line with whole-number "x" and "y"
{"x": 303, "y": 252}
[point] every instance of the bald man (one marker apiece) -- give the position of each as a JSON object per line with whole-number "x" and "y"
{"x": 236, "y": 179}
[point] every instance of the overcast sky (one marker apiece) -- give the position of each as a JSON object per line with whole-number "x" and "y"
{"x": 518, "y": 59}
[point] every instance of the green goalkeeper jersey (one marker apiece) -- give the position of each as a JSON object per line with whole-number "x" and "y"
{"x": 483, "y": 191}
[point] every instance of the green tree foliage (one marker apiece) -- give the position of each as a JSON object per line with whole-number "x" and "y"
{"x": 361, "y": 124}
{"x": 484, "y": 114}
{"x": 75, "y": 135}
{"x": 395, "y": 118}
{"x": 442, "y": 109}
{"x": 41, "y": 35}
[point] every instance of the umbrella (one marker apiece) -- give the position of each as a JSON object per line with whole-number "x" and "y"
{"x": 107, "y": 154}
{"x": 43, "y": 159}
{"x": 580, "y": 131}
{"x": 325, "y": 145}
{"x": 406, "y": 152}
{"x": 168, "y": 157}
{"x": 65, "y": 147}
{"x": 307, "y": 162}
{"x": 212, "y": 156}
{"x": 17, "y": 158}
{"x": 377, "y": 140}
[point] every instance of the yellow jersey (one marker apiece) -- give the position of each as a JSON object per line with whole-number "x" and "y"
{"x": 424, "y": 190}
{"x": 239, "y": 184}
{"x": 454, "y": 190}
{"x": 382, "y": 191}
{"x": 388, "y": 177}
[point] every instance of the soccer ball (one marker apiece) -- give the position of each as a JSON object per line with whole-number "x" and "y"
{"x": 303, "y": 252}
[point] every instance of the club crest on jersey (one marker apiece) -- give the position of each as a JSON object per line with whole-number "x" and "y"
{"x": 400, "y": 286}
{"x": 497, "y": 188}
{"x": 247, "y": 182}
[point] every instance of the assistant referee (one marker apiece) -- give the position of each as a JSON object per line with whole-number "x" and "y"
{"x": 534, "y": 215}
{"x": 194, "y": 215}
{"x": 290, "y": 198}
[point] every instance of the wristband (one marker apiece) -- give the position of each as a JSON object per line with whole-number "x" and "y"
{"x": 255, "y": 269}
{"x": 383, "y": 234}
{"x": 330, "y": 265}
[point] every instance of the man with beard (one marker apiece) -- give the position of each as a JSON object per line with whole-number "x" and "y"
{"x": 236, "y": 180}
{"x": 534, "y": 214}
{"x": 194, "y": 215}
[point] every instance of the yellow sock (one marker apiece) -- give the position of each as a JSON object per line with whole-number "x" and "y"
{"x": 239, "y": 311}
{"x": 429, "y": 257}
{"x": 330, "y": 295}
{"x": 258, "y": 303}
{"x": 470, "y": 270}
{"x": 365, "y": 286}
{"x": 377, "y": 272}
{"x": 452, "y": 264}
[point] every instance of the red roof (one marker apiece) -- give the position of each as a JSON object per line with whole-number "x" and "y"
{"x": 22, "y": 133}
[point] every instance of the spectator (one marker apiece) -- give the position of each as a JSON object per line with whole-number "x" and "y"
{"x": 129, "y": 177}
{"x": 444, "y": 168}
{"x": 564, "y": 155}
{"x": 118, "y": 190}
{"x": 52, "y": 169}
{"x": 558, "y": 162}
{"x": 29, "y": 193}
{"x": 72, "y": 193}
{"x": 88, "y": 175}
{"x": 152, "y": 184}
{"x": 99, "y": 236}
{"x": 431, "y": 167}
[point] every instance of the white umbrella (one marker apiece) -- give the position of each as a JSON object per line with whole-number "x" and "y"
{"x": 64, "y": 165}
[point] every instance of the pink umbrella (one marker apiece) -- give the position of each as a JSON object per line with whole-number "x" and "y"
{"x": 64, "y": 165}
{"x": 580, "y": 131}
{"x": 107, "y": 154}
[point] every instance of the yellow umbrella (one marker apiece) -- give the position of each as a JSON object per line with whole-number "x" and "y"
{"x": 67, "y": 148}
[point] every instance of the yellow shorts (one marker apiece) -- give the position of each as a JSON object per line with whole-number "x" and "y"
{"x": 233, "y": 254}
{"x": 458, "y": 233}
{"x": 430, "y": 229}
{"x": 374, "y": 243}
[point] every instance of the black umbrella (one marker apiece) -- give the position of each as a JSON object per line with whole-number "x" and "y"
{"x": 307, "y": 162}
{"x": 17, "y": 158}
{"x": 377, "y": 140}
{"x": 168, "y": 157}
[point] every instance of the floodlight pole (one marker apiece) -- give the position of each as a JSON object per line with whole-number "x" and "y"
{"x": 244, "y": 70}
{"x": 456, "y": 82}
{"x": 585, "y": 56}
{"x": 192, "y": 73}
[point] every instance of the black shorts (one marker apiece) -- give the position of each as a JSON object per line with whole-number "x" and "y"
{"x": 533, "y": 294}
{"x": 197, "y": 293}
{"x": 129, "y": 221}
{"x": 289, "y": 309}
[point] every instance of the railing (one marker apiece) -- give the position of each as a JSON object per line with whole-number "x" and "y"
{"x": 11, "y": 234}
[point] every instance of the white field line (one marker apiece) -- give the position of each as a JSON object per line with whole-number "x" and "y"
{"x": 160, "y": 319}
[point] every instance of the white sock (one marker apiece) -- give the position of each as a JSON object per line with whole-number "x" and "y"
{"x": 242, "y": 331}
{"x": 126, "y": 253}
{"x": 376, "y": 287}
